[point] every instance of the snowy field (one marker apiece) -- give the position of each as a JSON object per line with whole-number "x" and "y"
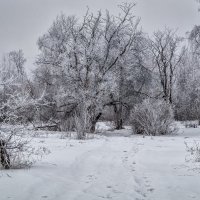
{"x": 114, "y": 165}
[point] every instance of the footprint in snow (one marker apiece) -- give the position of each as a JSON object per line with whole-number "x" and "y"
{"x": 91, "y": 178}
{"x": 106, "y": 197}
{"x": 151, "y": 189}
{"x": 116, "y": 191}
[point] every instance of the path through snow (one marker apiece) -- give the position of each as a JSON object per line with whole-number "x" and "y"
{"x": 121, "y": 168}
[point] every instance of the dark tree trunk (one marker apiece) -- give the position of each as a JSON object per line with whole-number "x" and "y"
{"x": 5, "y": 159}
{"x": 119, "y": 124}
{"x": 118, "y": 116}
{"x": 118, "y": 110}
{"x": 93, "y": 123}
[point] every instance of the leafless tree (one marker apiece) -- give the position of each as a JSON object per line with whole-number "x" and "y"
{"x": 81, "y": 55}
{"x": 194, "y": 39}
{"x": 167, "y": 55}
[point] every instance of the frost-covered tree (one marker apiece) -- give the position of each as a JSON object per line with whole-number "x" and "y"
{"x": 131, "y": 77}
{"x": 187, "y": 94}
{"x": 12, "y": 78}
{"x": 194, "y": 39}
{"x": 166, "y": 55}
{"x": 15, "y": 101}
{"x": 79, "y": 56}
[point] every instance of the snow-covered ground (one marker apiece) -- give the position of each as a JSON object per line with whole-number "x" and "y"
{"x": 122, "y": 168}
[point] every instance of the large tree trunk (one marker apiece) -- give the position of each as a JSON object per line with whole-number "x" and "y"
{"x": 118, "y": 117}
{"x": 119, "y": 124}
{"x": 118, "y": 109}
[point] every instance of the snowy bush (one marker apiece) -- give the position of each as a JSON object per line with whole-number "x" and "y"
{"x": 191, "y": 124}
{"x": 153, "y": 117}
{"x": 16, "y": 150}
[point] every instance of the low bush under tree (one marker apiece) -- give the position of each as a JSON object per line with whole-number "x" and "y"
{"x": 16, "y": 150}
{"x": 153, "y": 117}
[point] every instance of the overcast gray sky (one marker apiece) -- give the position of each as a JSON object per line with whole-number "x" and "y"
{"x": 23, "y": 21}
